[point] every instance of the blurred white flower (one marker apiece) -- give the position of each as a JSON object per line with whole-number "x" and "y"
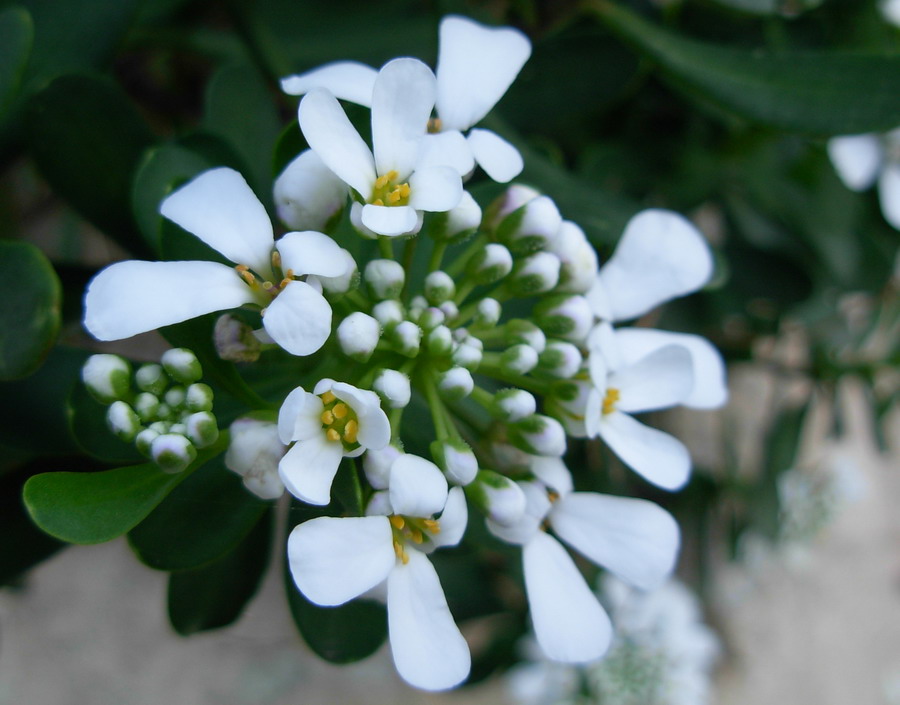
{"x": 862, "y": 160}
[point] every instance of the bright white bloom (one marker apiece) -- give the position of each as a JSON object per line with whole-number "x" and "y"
{"x": 891, "y": 11}
{"x": 390, "y": 180}
{"x": 861, "y": 160}
{"x": 476, "y": 65}
{"x": 219, "y": 207}
{"x": 253, "y": 453}
{"x": 659, "y": 380}
{"x": 635, "y": 539}
{"x": 334, "y": 560}
{"x": 307, "y": 194}
{"x": 337, "y": 420}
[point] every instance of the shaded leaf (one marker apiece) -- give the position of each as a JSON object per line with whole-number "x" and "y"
{"x": 87, "y": 417}
{"x": 16, "y": 36}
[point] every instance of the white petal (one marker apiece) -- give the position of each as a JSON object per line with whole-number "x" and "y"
{"x": 347, "y": 80}
{"x": 537, "y": 506}
{"x": 569, "y": 622}
{"x": 856, "y": 159}
{"x": 374, "y": 427}
{"x": 448, "y": 148}
{"x": 661, "y": 256}
{"x": 299, "y": 319}
{"x": 553, "y": 473}
{"x": 311, "y": 252}
{"x": 710, "y": 389}
{"x": 499, "y": 159}
{"x": 389, "y": 220}
{"x": 134, "y": 297}
{"x": 334, "y": 559}
{"x": 435, "y": 189}
{"x": 593, "y": 412}
{"x": 657, "y": 456}
{"x": 221, "y": 209}
{"x": 401, "y": 106}
{"x": 299, "y": 417}
{"x": 635, "y": 539}
{"x": 428, "y": 649}
{"x": 453, "y": 520}
{"x": 328, "y": 131}
{"x": 889, "y": 194}
{"x": 308, "y": 468}
{"x": 891, "y": 11}
{"x": 662, "y": 379}
{"x": 307, "y": 193}
{"x": 417, "y": 486}
{"x": 476, "y": 64}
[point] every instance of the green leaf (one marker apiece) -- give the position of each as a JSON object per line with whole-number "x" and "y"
{"x": 825, "y": 93}
{"x": 87, "y": 139}
{"x": 199, "y": 522}
{"x": 30, "y": 303}
{"x": 215, "y": 595}
{"x": 88, "y": 422}
{"x": 16, "y": 36}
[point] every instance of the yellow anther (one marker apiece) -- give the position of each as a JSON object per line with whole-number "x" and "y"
{"x": 328, "y": 397}
{"x": 404, "y": 190}
{"x": 397, "y": 522}
{"x": 609, "y": 401}
{"x": 332, "y": 435}
{"x": 432, "y": 525}
{"x": 416, "y": 536}
{"x": 552, "y": 496}
{"x": 350, "y": 431}
{"x": 276, "y": 259}
{"x": 340, "y": 411}
{"x": 382, "y": 181}
{"x": 284, "y": 282}
{"x": 394, "y": 196}
{"x": 242, "y": 268}
{"x": 327, "y": 417}
{"x": 377, "y": 202}
{"x": 401, "y": 553}
{"x": 434, "y": 125}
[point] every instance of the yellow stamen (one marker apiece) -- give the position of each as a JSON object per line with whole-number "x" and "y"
{"x": 404, "y": 190}
{"x": 284, "y": 282}
{"x": 609, "y": 401}
{"x": 382, "y": 181}
{"x": 328, "y": 397}
{"x": 350, "y": 431}
{"x": 434, "y": 125}
{"x": 340, "y": 411}
{"x": 276, "y": 259}
{"x": 416, "y": 536}
{"x": 432, "y": 525}
{"x": 377, "y": 202}
{"x": 397, "y": 522}
{"x": 332, "y": 435}
{"x": 552, "y": 496}
{"x": 327, "y": 418}
{"x": 394, "y": 196}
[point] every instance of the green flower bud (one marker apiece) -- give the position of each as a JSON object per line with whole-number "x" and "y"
{"x": 182, "y": 365}
{"x": 560, "y": 359}
{"x": 122, "y": 421}
{"x": 144, "y": 440}
{"x": 152, "y": 379}
{"x": 501, "y": 499}
{"x": 172, "y": 452}
{"x": 512, "y": 405}
{"x": 202, "y": 429}
{"x": 147, "y": 406}
{"x": 175, "y": 397}
{"x": 385, "y": 278}
{"x": 569, "y": 317}
{"x": 456, "y": 383}
{"x": 458, "y": 223}
{"x": 468, "y": 354}
{"x": 407, "y": 338}
{"x": 534, "y": 275}
{"x": 519, "y": 331}
{"x": 199, "y": 397}
{"x": 440, "y": 341}
{"x": 519, "y": 359}
{"x": 539, "y": 435}
{"x": 456, "y": 459}
{"x": 439, "y": 287}
{"x": 490, "y": 264}
{"x": 431, "y": 318}
{"x": 107, "y": 377}
{"x": 388, "y": 313}
{"x": 487, "y": 313}
{"x": 532, "y": 227}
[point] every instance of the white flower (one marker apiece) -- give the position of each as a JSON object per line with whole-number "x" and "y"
{"x": 337, "y": 420}
{"x": 659, "y": 380}
{"x": 476, "y": 65}
{"x": 253, "y": 453}
{"x": 390, "y": 180}
{"x": 861, "y": 160}
{"x": 307, "y": 194}
{"x": 218, "y": 207}
{"x": 633, "y": 538}
{"x": 891, "y": 11}
{"x": 334, "y": 560}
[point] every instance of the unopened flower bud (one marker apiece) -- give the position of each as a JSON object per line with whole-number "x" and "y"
{"x": 534, "y": 274}
{"x": 532, "y": 227}
{"x": 490, "y": 264}
{"x": 144, "y": 440}
{"x": 152, "y": 379}
{"x": 567, "y": 317}
{"x": 467, "y": 355}
{"x": 458, "y": 223}
{"x": 407, "y": 338}
{"x": 199, "y": 397}
{"x": 164, "y": 412}
{"x": 388, "y": 313}
{"x": 439, "y": 287}
{"x": 440, "y": 341}
{"x": 234, "y": 340}
{"x": 511, "y": 405}
{"x": 393, "y": 387}
{"x": 146, "y": 405}
{"x": 520, "y": 331}
{"x": 179, "y": 428}
{"x": 539, "y": 435}
{"x": 455, "y": 383}
{"x": 253, "y": 453}
{"x": 202, "y": 428}
{"x": 519, "y": 359}
{"x": 509, "y": 201}
{"x": 377, "y": 465}
{"x": 172, "y": 452}
{"x": 488, "y": 313}
{"x": 501, "y": 499}
{"x": 107, "y": 377}
{"x": 123, "y": 421}
{"x": 181, "y": 365}
{"x": 560, "y": 359}
{"x": 456, "y": 459}
{"x": 385, "y": 278}
{"x": 175, "y": 397}
{"x": 358, "y": 335}
{"x": 450, "y": 310}
{"x": 578, "y": 259}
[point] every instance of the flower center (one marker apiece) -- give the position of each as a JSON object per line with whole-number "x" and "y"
{"x": 339, "y": 421}
{"x": 257, "y": 283}
{"x": 609, "y": 401}
{"x": 387, "y": 192}
{"x": 406, "y": 529}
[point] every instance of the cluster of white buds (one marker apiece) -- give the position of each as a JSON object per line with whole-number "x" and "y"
{"x": 166, "y": 412}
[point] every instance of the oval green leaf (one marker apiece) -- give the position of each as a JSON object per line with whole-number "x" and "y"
{"x": 16, "y": 36}
{"x": 87, "y": 419}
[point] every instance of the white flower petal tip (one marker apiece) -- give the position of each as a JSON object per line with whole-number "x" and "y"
{"x": 333, "y": 560}
{"x": 417, "y": 486}
{"x": 221, "y": 209}
{"x": 499, "y": 159}
{"x": 658, "y": 457}
{"x": 390, "y": 221}
{"x": 889, "y": 194}
{"x": 311, "y": 252}
{"x": 116, "y": 300}
{"x": 447, "y": 148}
{"x": 308, "y": 469}
{"x": 428, "y": 649}
{"x": 454, "y": 519}
{"x": 635, "y": 539}
{"x": 661, "y": 379}
{"x": 347, "y": 80}
{"x": 856, "y": 159}
{"x": 569, "y": 622}
{"x": 307, "y": 193}
{"x": 299, "y": 319}
{"x": 476, "y": 65}
{"x": 435, "y": 188}
{"x": 661, "y": 256}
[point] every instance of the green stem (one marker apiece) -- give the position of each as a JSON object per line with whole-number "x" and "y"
{"x": 482, "y": 396}
{"x": 437, "y": 255}
{"x": 435, "y": 405}
{"x": 464, "y": 290}
{"x": 409, "y": 251}
{"x": 456, "y": 267}
{"x": 530, "y": 384}
{"x": 386, "y": 247}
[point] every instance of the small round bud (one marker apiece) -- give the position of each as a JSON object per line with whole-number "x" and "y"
{"x": 407, "y": 338}
{"x": 144, "y": 440}
{"x": 467, "y": 355}
{"x": 501, "y": 499}
{"x": 122, "y": 421}
{"x": 431, "y": 318}
{"x": 534, "y": 274}
{"x": 159, "y": 427}
{"x": 520, "y": 331}
{"x": 377, "y": 465}
{"x": 199, "y": 397}
{"x": 567, "y": 317}
{"x": 385, "y": 278}
{"x": 182, "y": 365}
{"x": 439, "y": 287}
{"x": 393, "y": 387}
{"x": 358, "y": 336}
{"x": 532, "y": 227}
{"x": 450, "y": 310}
{"x": 487, "y": 313}
{"x": 455, "y": 383}
{"x": 509, "y": 201}
{"x": 179, "y": 428}
{"x": 234, "y": 340}
{"x": 440, "y": 341}
{"x": 456, "y": 459}
{"x": 512, "y": 405}
{"x": 579, "y": 259}
{"x": 146, "y": 405}
{"x": 172, "y": 452}
{"x": 491, "y": 264}
{"x": 164, "y": 412}
{"x": 539, "y": 435}
{"x": 388, "y": 313}
{"x": 519, "y": 359}
{"x": 107, "y": 377}
{"x": 150, "y": 378}
{"x": 560, "y": 359}
{"x": 458, "y": 223}
{"x": 253, "y": 453}
{"x": 175, "y": 397}
{"x": 202, "y": 429}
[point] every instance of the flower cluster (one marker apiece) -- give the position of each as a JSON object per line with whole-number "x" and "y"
{"x": 497, "y": 343}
